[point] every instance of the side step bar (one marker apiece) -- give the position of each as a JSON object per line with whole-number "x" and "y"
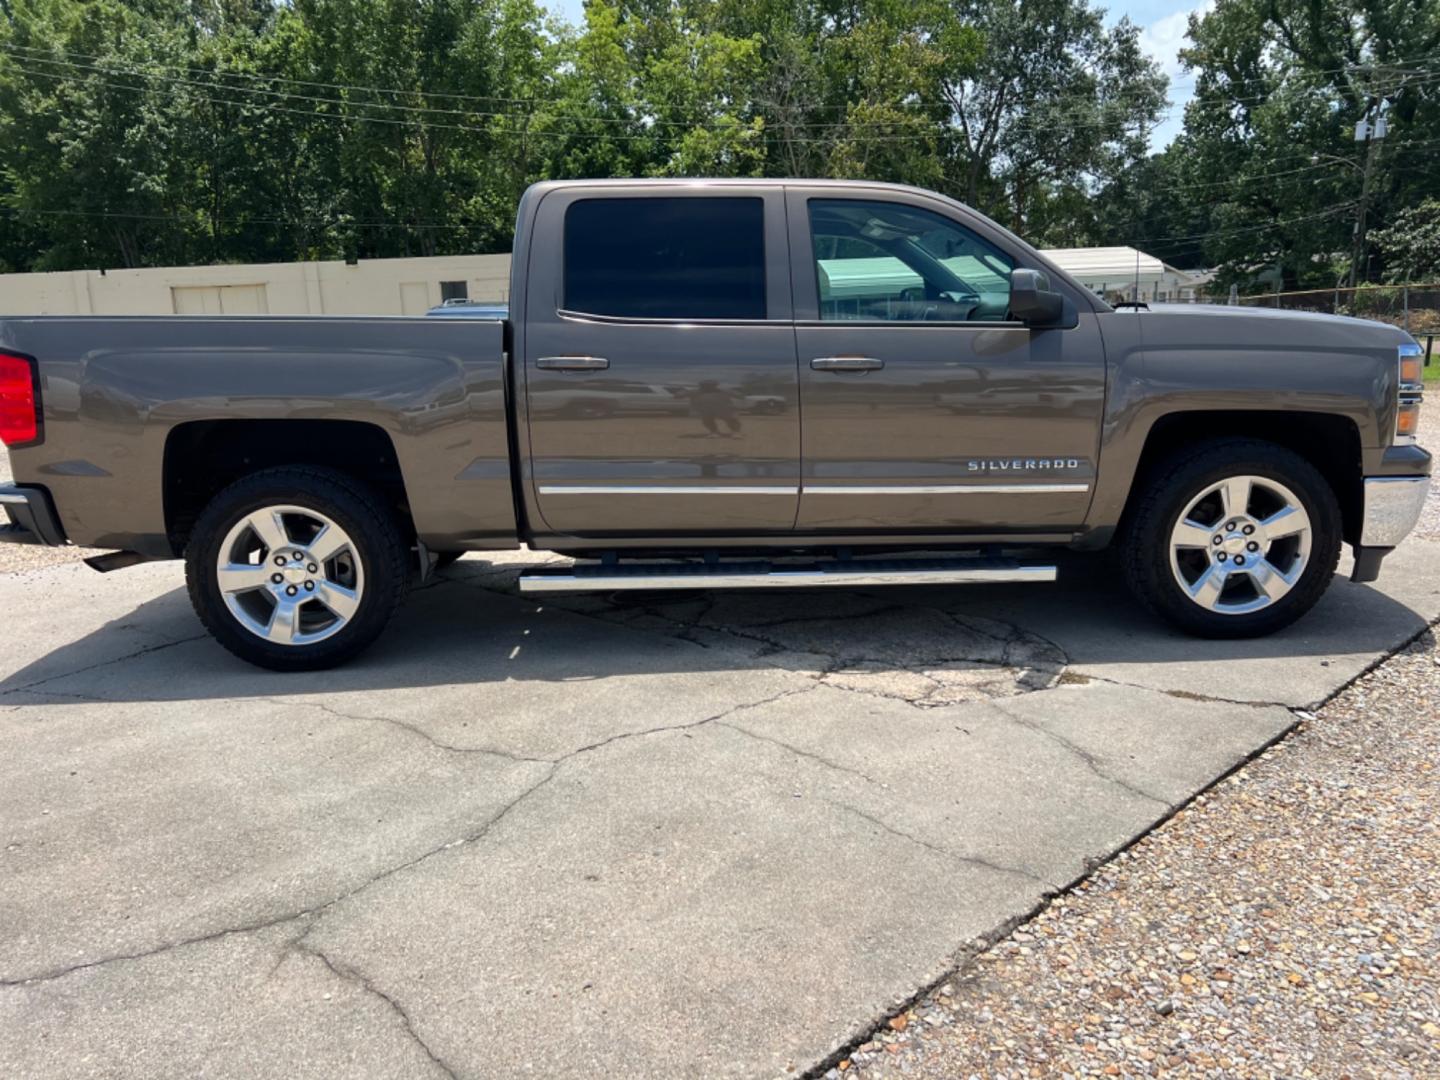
{"x": 599, "y": 577}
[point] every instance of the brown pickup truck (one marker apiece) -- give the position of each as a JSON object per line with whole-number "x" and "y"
{"x": 707, "y": 384}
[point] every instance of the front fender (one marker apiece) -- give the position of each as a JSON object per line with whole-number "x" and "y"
{"x": 1254, "y": 369}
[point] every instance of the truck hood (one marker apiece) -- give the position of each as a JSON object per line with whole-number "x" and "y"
{"x": 1315, "y": 321}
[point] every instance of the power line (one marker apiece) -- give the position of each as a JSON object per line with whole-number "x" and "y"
{"x": 1054, "y": 113}
{"x": 742, "y": 125}
{"x": 491, "y": 98}
{"x": 943, "y": 129}
{"x": 1333, "y": 211}
{"x": 507, "y": 131}
{"x": 35, "y": 55}
{"x": 110, "y": 67}
{"x": 347, "y": 118}
{"x": 11, "y": 46}
{"x": 1182, "y": 189}
{"x": 1246, "y": 178}
{"x": 201, "y": 218}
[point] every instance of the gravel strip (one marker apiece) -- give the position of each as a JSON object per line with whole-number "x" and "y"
{"x": 23, "y": 558}
{"x": 1285, "y": 924}
{"x": 1429, "y": 437}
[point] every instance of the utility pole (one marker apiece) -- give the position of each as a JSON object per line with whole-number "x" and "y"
{"x": 1370, "y": 131}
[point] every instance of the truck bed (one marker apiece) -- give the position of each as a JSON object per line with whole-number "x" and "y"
{"x": 126, "y": 397}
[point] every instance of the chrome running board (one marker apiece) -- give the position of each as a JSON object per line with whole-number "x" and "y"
{"x": 856, "y": 573}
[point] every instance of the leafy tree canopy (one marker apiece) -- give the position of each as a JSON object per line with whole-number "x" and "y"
{"x": 149, "y": 132}
{"x": 1267, "y": 174}
{"x": 1411, "y": 246}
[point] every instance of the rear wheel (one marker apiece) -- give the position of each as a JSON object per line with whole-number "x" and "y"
{"x": 1236, "y": 538}
{"x": 296, "y": 569}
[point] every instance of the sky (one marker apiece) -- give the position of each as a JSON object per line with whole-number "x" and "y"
{"x": 1162, "y": 34}
{"x": 1162, "y": 24}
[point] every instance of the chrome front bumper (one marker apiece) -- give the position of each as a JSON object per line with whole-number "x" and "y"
{"x": 1392, "y": 507}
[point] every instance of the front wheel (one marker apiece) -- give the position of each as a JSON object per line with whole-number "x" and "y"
{"x": 1237, "y": 538}
{"x": 296, "y": 569}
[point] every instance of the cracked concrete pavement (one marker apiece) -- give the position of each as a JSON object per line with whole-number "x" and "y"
{"x": 705, "y": 834}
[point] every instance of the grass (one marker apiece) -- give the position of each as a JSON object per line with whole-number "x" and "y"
{"x": 1432, "y": 368}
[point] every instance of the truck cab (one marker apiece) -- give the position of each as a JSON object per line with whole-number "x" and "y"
{"x": 876, "y": 323}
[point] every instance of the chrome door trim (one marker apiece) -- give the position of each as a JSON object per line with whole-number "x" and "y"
{"x": 655, "y": 489}
{"x": 829, "y": 489}
{"x": 567, "y": 315}
{"x": 951, "y": 489}
{"x": 927, "y": 324}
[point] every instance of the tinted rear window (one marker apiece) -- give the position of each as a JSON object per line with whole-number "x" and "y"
{"x": 666, "y": 258}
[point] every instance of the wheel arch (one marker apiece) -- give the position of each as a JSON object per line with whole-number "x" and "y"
{"x": 1330, "y": 441}
{"x": 203, "y": 457}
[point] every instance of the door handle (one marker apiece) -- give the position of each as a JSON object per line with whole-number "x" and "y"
{"x": 847, "y": 363}
{"x": 572, "y": 363}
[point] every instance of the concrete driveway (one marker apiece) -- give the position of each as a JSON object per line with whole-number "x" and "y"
{"x": 705, "y": 835}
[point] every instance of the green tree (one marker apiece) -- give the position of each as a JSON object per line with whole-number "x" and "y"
{"x": 1056, "y": 105}
{"x": 1411, "y": 246}
{"x": 93, "y": 159}
{"x": 1154, "y": 205}
{"x": 163, "y": 131}
{"x": 409, "y": 116}
{"x": 1269, "y": 139}
{"x": 647, "y": 87}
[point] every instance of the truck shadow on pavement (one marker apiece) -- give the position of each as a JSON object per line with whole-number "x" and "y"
{"x": 928, "y": 646}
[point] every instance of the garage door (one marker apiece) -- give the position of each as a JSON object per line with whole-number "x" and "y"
{"x": 219, "y": 299}
{"x": 414, "y": 298}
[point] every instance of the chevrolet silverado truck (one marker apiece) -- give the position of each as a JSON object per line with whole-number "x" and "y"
{"x": 705, "y": 384}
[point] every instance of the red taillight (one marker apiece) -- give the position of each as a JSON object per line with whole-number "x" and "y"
{"x": 19, "y": 418}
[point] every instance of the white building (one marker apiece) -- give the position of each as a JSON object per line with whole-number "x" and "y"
{"x": 1124, "y": 273}
{"x": 370, "y": 287}
{"x": 413, "y": 286}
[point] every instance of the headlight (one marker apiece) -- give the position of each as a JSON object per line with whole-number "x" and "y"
{"x": 1412, "y": 390}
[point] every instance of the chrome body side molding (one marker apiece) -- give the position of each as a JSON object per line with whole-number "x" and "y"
{"x": 824, "y": 489}
{"x": 952, "y": 489}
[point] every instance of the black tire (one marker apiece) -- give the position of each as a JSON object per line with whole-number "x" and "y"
{"x": 371, "y": 526}
{"x": 1167, "y": 491}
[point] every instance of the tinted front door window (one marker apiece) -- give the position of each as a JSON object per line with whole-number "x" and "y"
{"x": 666, "y": 258}
{"x": 876, "y": 260}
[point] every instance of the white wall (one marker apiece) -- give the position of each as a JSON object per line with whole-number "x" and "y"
{"x": 373, "y": 287}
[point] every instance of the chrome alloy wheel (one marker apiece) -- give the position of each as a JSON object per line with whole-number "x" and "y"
{"x": 1240, "y": 545}
{"x": 290, "y": 575}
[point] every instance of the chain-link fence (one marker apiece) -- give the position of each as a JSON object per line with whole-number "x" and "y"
{"x": 1415, "y": 308}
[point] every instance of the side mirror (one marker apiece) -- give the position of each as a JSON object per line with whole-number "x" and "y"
{"x": 1031, "y": 300}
